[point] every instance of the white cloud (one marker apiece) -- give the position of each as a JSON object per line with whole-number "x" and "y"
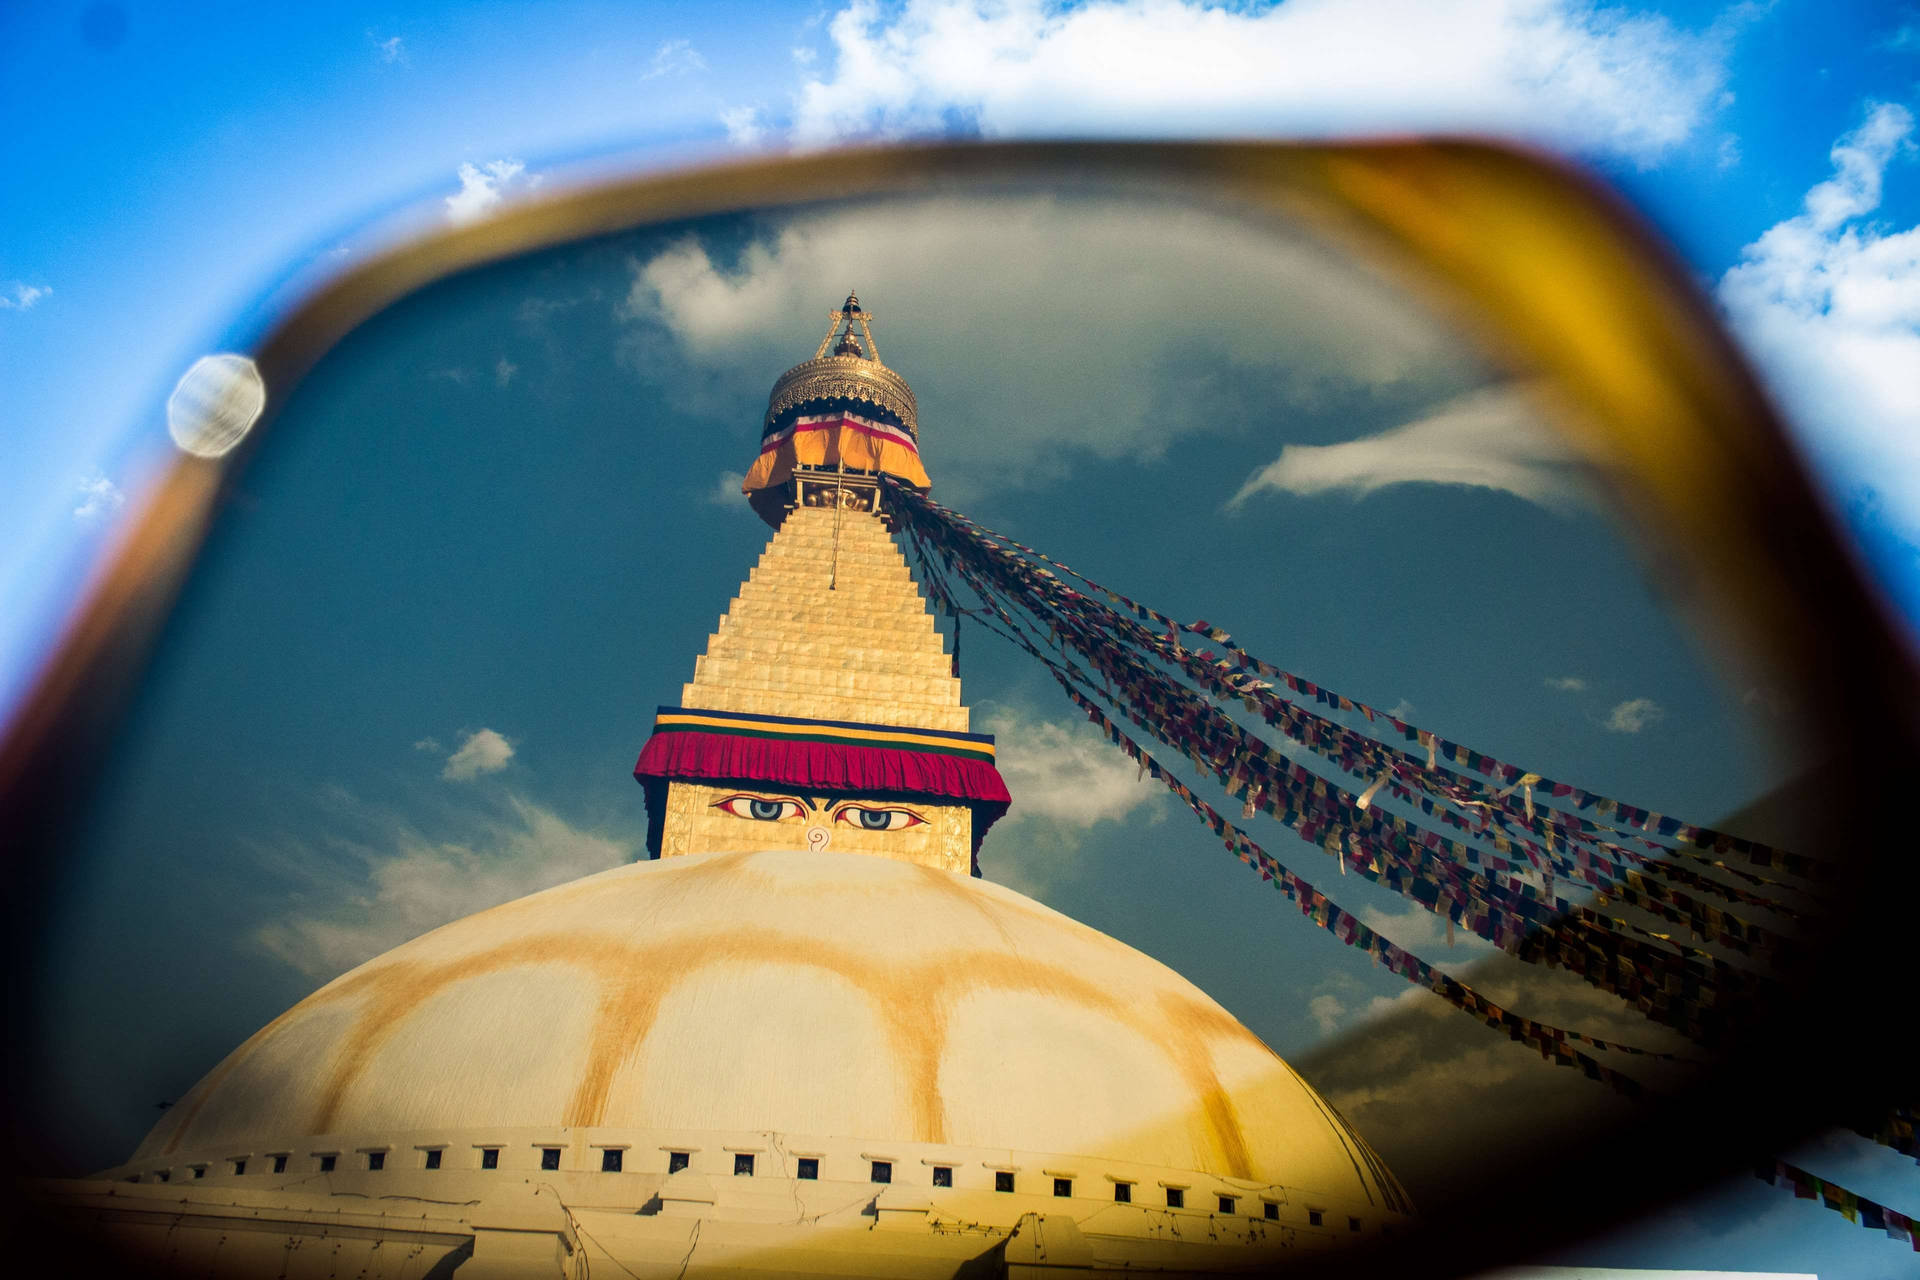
{"x": 392, "y": 49}
{"x": 430, "y": 745}
{"x": 482, "y": 752}
{"x": 1327, "y": 1011}
{"x": 1566, "y": 684}
{"x": 1401, "y": 710}
{"x": 503, "y": 371}
{"x": 1491, "y": 438}
{"x": 1067, "y": 775}
{"x": 99, "y": 497}
{"x": 21, "y": 297}
{"x": 726, "y": 491}
{"x": 672, "y": 58}
{"x": 1424, "y": 933}
{"x": 1065, "y": 779}
{"x": 1634, "y": 714}
{"x": 1063, "y": 307}
{"x": 804, "y": 56}
{"x": 484, "y": 186}
{"x": 1607, "y": 80}
{"x": 743, "y": 125}
{"x": 396, "y": 884}
{"x": 1829, "y": 304}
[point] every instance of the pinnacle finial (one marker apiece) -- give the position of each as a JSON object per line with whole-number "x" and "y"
{"x": 841, "y": 325}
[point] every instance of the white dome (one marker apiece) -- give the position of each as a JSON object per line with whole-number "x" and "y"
{"x": 807, "y": 994}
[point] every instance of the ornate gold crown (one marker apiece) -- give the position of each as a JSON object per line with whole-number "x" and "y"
{"x": 848, "y": 372}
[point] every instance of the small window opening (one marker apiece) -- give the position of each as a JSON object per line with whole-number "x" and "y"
{"x": 1316, "y": 1218}
{"x": 743, "y": 1164}
{"x": 1226, "y": 1204}
{"x": 611, "y": 1159}
{"x": 809, "y": 1168}
{"x": 1271, "y": 1210}
{"x": 678, "y": 1160}
{"x": 200, "y": 1171}
{"x": 942, "y": 1175}
{"x": 489, "y": 1157}
{"x": 327, "y": 1163}
{"x": 1003, "y": 1180}
{"x": 279, "y": 1164}
{"x": 1063, "y": 1187}
{"x": 164, "y": 1176}
{"x": 549, "y": 1157}
{"x": 239, "y": 1167}
{"x": 1353, "y": 1224}
{"x": 1123, "y": 1193}
{"x": 1176, "y": 1198}
{"x": 882, "y": 1171}
{"x": 376, "y": 1161}
{"x": 133, "y": 1177}
{"x": 433, "y": 1158}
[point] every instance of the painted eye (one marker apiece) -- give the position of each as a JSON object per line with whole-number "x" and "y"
{"x": 758, "y": 808}
{"x": 879, "y": 819}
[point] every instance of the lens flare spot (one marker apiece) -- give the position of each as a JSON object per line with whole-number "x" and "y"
{"x": 215, "y": 404}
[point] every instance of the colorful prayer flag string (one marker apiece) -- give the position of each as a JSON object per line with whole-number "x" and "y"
{"x": 1853, "y": 1207}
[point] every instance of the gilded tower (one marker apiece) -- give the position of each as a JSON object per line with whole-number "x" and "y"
{"x": 825, "y": 714}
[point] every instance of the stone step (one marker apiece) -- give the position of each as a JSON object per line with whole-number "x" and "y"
{"x": 831, "y": 707}
{"x": 814, "y": 652}
{"x": 935, "y": 689}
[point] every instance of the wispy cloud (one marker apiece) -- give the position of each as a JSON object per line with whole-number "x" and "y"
{"x": 726, "y": 490}
{"x": 98, "y": 496}
{"x": 358, "y": 896}
{"x": 1618, "y": 81}
{"x": 391, "y": 50}
{"x": 673, "y": 58}
{"x": 1065, "y": 774}
{"x": 1566, "y": 684}
{"x": 1829, "y": 303}
{"x": 1328, "y": 1011}
{"x": 1635, "y": 714}
{"x": 1490, "y": 438}
{"x": 484, "y": 751}
{"x": 21, "y": 297}
{"x": 743, "y": 125}
{"x": 503, "y": 371}
{"x": 1065, "y": 780}
{"x": 484, "y": 186}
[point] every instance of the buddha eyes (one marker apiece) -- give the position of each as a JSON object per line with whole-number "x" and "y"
{"x": 780, "y": 808}
{"x": 878, "y": 819}
{"x": 758, "y": 808}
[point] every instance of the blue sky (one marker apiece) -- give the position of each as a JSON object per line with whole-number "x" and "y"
{"x": 173, "y": 167}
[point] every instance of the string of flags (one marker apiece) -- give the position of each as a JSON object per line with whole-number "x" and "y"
{"x": 1853, "y": 1207}
{"x": 1481, "y": 842}
{"x": 1631, "y": 819}
{"x": 1685, "y": 987}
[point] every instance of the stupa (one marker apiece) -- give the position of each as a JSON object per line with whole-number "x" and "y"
{"x": 804, "y": 1036}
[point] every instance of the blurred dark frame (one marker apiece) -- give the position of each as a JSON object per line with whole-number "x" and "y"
{"x": 1550, "y": 272}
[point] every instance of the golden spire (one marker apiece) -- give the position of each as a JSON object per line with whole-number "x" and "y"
{"x": 842, "y": 415}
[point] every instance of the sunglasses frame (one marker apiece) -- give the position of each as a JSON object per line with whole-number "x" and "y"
{"x": 1548, "y": 272}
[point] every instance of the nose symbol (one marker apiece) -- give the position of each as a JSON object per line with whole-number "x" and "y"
{"x": 817, "y": 838}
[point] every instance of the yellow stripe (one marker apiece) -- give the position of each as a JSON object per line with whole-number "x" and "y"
{"x": 834, "y": 731}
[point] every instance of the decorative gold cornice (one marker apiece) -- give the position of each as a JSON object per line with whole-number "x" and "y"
{"x": 845, "y": 378}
